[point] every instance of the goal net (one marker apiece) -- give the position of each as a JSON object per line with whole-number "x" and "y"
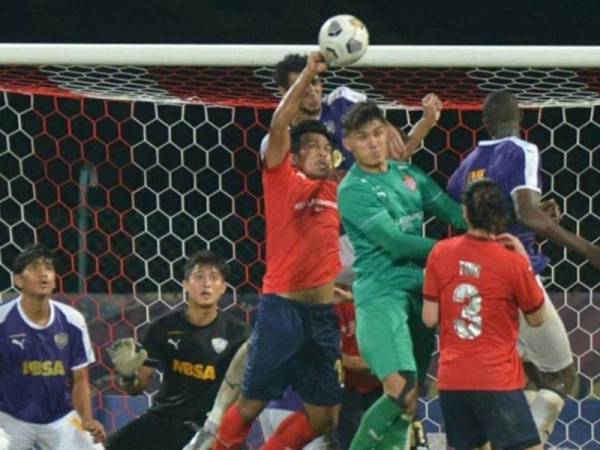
{"x": 127, "y": 169}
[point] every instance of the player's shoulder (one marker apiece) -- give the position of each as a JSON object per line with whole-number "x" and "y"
{"x": 405, "y": 166}
{"x": 353, "y": 180}
{"x": 169, "y": 320}
{"x": 6, "y": 308}
{"x": 512, "y": 144}
{"x": 342, "y": 93}
{"x": 72, "y": 315}
{"x": 447, "y": 246}
{"x": 232, "y": 322}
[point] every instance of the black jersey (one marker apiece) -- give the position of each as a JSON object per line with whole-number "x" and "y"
{"x": 193, "y": 359}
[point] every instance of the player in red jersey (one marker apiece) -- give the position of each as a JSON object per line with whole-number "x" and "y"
{"x": 296, "y": 338}
{"x": 361, "y": 387}
{"x": 474, "y": 287}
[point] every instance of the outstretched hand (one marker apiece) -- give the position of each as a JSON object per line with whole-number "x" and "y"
{"x": 593, "y": 255}
{"x": 552, "y": 210}
{"x": 124, "y": 356}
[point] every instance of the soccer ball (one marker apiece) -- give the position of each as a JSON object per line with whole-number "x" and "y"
{"x": 343, "y": 40}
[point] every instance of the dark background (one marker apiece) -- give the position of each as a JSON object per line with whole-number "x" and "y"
{"x": 398, "y": 22}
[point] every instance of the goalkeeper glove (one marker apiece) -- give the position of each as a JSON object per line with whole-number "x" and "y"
{"x": 125, "y": 358}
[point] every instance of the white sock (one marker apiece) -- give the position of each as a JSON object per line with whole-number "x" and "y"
{"x": 545, "y": 410}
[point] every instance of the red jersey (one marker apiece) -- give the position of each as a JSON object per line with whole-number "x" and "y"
{"x": 480, "y": 286}
{"x": 360, "y": 381}
{"x": 303, "y": 229}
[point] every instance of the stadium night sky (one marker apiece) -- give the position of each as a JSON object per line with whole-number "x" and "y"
{"x": 549, "y": 22}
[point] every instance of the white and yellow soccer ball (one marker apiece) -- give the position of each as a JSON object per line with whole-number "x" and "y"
{"x": 343, "y": 39}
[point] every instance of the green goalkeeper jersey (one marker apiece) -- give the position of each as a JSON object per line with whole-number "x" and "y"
{"x": 383, "y": 215}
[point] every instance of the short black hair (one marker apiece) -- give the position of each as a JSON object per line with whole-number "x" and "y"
{"x": 500, "y": 111}
{"x": 31, "y": 254}
{"x": 206, "y": 258}
{"x": 292, "y": 63}
{"x": 360, "y": 114}
{"x": 305, "y": 127}
{"x": 486, "y": 206}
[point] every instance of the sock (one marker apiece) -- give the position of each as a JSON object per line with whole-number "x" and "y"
{"x": 375, "y": 423}
{"x": 293, "y": 433}
{"x": 395, "y": 437}
{"x": 545, "y": 410}
{"x": 233, "y": 431}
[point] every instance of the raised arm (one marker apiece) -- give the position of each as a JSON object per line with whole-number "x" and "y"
{"x": 287, "y": 110}
{"x": 530, "y": 212}
{"x": 432, "y": 109}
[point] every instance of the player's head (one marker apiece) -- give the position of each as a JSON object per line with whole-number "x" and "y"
{"x": 34, "y": 271}
{"x": 285, "y": 74}
{"x": 485, "y": 207}
{"x": 501, "y": 114}
{"x": 365, "y": 134}
{"x": 312, "y": 149}
{"x": 204, "y": 277}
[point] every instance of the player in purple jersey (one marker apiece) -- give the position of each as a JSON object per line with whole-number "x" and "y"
{"x": 515, "y": 165}
{"x": 45, "y": 396}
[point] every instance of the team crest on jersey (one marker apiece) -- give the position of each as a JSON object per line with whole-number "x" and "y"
{"x": 410, "y": 183}
{"x": 61, "y": 340}
{"x": 219, "y": 344}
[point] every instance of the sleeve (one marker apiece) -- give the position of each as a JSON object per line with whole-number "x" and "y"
{"x": 279, "y": 180}
{"x": 523, "y": 168}
{"x": 81, "y": 352}
{"x": 153, "y": 343}
{"x": 431, "y": 286}
{"x": 528, "y": 292}
{"x": 360, "y": 209}
{"x": 437, "y": 203}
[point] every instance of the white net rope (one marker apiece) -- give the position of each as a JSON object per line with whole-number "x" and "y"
{"x": 126, "y": 189}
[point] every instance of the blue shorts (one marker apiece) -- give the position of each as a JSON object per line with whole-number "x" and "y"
{"x": 294, "y": 344}
{"x": 474, "y": 417}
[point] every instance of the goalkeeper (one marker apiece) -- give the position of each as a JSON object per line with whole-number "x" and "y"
{"x": 382, "y": 205}
{"x": 193, "y": 348}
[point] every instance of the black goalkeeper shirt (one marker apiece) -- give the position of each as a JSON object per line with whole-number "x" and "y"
{"x": 193, "y": 360}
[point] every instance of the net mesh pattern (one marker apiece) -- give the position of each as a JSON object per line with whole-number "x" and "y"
{"x": 126, "y": 188}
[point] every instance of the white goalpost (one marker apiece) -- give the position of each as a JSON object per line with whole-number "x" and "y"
{"x": 125, "y": 158}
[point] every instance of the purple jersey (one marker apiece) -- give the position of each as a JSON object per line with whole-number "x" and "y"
{"x": 333, "y": 107}
{"x": 514, "y": 164}
{"x": 36, "y": 363}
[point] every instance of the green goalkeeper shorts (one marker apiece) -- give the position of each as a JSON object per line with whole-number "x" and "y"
{"x": 383, "y": 332}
